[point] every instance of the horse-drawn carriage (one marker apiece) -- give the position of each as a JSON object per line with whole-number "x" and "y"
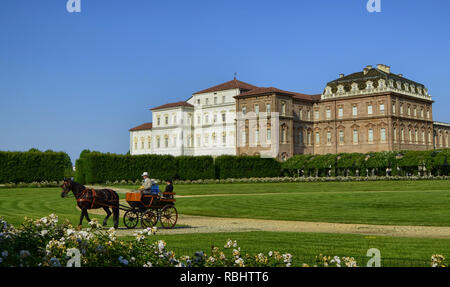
{"x": 146, "y": 208}
{"x": 149, "y": 209}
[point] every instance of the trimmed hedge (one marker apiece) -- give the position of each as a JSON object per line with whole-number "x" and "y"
{"x": 95, "y": 167}
{"x": 400, "y": 163}
{"x": 228, "y": 166}
{"x": 33, "y": 166}
{"x": 195, "y": 167}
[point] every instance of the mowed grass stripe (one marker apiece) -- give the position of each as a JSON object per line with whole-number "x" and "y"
{"x": 259, "y": 188}
{"x": 405, "y": 208}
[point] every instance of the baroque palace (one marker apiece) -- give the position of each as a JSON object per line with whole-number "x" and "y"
{"x": 368, "y": 111}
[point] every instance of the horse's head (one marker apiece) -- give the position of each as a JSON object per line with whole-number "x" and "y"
{"x": 66, "y": 187}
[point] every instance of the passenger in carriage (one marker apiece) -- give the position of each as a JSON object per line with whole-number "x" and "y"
{"x": 169, "y": 188}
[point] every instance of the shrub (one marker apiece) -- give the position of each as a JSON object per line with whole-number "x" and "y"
{"x": 33, "y": 166}
{"x": 228, "y": 166}
{"x": 195, "y": 167}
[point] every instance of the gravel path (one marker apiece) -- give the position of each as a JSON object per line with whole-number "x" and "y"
{"x": 203, "y": 224}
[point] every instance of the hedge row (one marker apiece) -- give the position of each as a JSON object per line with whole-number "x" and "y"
{"x": 95, "y": 167}
{"x": 400, "y": 163}
{"x": 33, "y": 166}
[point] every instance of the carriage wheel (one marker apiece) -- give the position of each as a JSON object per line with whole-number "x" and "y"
{"x": 149, "y": 218}
{"x": 168, "y": 216}
{"x": 130, "y": 219}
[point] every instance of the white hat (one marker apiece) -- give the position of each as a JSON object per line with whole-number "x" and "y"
{"x": 145, "y": 174}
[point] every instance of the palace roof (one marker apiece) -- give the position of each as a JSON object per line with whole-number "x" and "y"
{"x": 273, "y": 90}
{"x": 143, "y": 127}
{"x": 173, "y": 105}
{"x": 233, "y": 84}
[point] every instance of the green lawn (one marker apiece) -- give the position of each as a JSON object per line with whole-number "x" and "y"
{"x": 305, "y": 246}
{"x": 391, "y": 202}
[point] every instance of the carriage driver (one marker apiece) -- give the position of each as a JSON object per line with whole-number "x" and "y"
{"x": 146, "y": 184}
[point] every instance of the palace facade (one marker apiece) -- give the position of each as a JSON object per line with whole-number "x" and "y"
{"x": 367, "y": 111}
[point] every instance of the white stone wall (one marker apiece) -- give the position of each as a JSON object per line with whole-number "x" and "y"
{"x": 191, "y": 131}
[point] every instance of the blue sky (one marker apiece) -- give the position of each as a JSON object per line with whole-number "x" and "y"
{"x": 80, "y": 81}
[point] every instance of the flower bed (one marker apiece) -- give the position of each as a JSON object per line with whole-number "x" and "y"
{"x": 48, "y": 243}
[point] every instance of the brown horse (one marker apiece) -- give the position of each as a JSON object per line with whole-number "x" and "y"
{"x": 93, "y": 199}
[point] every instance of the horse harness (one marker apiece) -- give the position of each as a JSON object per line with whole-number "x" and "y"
{"x": 90, "y": 196}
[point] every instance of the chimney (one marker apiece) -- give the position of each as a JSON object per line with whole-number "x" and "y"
{"x": 341, "y": 75}
{"x": 366, "y": 69}
{"x": 384, "y": 68}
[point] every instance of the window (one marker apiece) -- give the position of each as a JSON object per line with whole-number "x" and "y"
{"x": 244, "y": 138}
{"x": 268, "y": 108}
{"x": 340, "y": 112}
{"x": 317, "y": 138}
{"x": 149, "y": 142}
{"x": 415, "y": 112}
{"x": 158, "y": 121}
{"x": 409, "y": 110}
{"x": 401, "y": 109}
{"x": 206, "y": 119}
{"x": 158, "y": 142}
{"x": 383, "y": 135}
{"x": 354, "y": 111}
{"x": 421, "y": 113}
{"x": 269, "y": 134}
{"x": 309, "y": 138}
{"x": 206, "y": 101}
{"x": 381, "y": 108}
{"x": 300, "y": 114}
{"x": 166, "y": 142}
{"x": 328, "y": 114}
{"x": 355, "y": 136}
{"x": 257, "y": 136}
{"x": 369, "y": 110}
{"x": 214, "y": 138}
{"x": 309, "y": 115}
{"x": 341, "y": 137}
{"x": 395, "y": 135}
{"x": 135, "y": 143}
{"x": 224, "y": 117}
{"x": 215, "y": 100}
{"x": 429, "y": 137}
{"x": 370, "y": 136}
{"x": 393, "y": 109}
{"x": 402, "y": 135}
{"x": 284, "y": 135}
{"x": 215, "y": 118}
{"x": 174, "y": 141}
{"x": 256, "y": 109}
{"x": 416, "y": 135}
{"x": 224, "y": 137}
{"x": 223, "y": 99}
{"x": 300, "y": 137}
{"x": 316, "y": 115}
{"x": 423, "y": 137}
{"x": 410, "y": 135}
{"x": 328, "y": 137}
{"x": 166, "y": 120}
{"x": 244, "y": 110}
{"x": 198, "y": 102}
{"x": 283, "y": 109}
{"x": 428, "y": 114}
